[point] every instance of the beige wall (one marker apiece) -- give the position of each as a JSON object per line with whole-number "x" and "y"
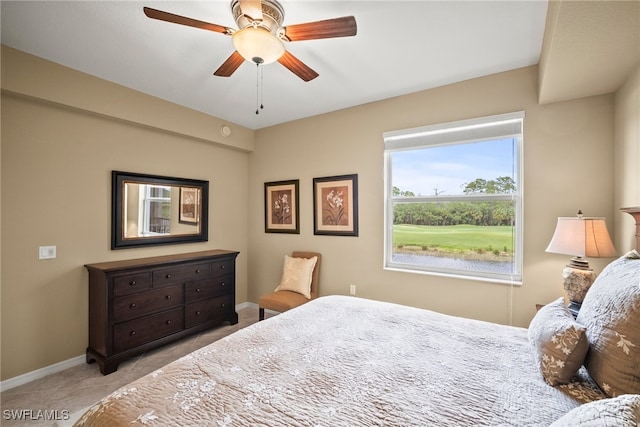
{"x": 63, "y": 132}
{"x": 568, "y": 165}
{"x": 627, "y": 158}
{"x": 58, "y": 152}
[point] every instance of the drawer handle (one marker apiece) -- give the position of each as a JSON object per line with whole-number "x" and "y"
{"x": 168, "y": 297}
{"x": 133, "y": 305}
{"x": 222, "y": 284}
{"x": 197, "y": 271}
{"x": 168, "y": 276}
{"x": 168, "y": 322}
{"x": 197, "y": 289}
{"x": 132, "y": 283}
{"x": 222, "y": 305}
{"x": 197, "y": 313}
{"x": 222, "y": 267}
{"x": 132, "y": 333}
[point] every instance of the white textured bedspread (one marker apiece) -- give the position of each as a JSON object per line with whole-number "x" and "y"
{"x": 345, "y": 361}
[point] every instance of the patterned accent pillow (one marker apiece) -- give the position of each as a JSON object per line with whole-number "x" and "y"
{"x": 297, "y": 274}
{"x": 559, "y": 341}
{"x": 622, "y": 411}
{"x": 611, "y": 313}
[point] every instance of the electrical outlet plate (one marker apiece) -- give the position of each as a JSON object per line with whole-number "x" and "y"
{"x": 47, "y": 252}
{"x": 352, "y": 289}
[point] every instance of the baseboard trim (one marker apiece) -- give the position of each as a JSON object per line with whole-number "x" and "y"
{"x": 246, "y": 304}
{"x": 255, "y": 306}
{"x": 66, "y": 364}
{"x": 41, "y": 373}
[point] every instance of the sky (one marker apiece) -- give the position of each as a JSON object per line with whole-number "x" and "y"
{"x": 446, "y": 169}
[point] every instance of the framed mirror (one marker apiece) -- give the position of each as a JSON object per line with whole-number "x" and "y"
{"x": 157, "y": 210}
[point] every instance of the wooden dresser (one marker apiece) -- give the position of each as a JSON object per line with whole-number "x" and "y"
{"x": 139, "y": 304}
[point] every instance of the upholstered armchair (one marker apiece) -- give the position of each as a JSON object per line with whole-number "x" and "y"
{"x": 298, "y": 285}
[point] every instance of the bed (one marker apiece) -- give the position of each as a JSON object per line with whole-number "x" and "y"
{"x": 347, "y": 361}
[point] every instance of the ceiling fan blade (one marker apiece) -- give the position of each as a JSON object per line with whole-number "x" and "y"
{"x": 329, "y": 28}
{"x": 252, "y": 9}
{"x": 297, "y": 67}
{"x": 229, "y": 66}
{"x": 183, "y": 20}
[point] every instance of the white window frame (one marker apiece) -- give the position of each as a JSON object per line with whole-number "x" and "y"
{"x": 145, "y": 203}
{"x": 510, "y": 125}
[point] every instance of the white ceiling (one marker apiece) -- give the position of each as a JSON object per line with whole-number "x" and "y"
{"x": 401, "y": 47}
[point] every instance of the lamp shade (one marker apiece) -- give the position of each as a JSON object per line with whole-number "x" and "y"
{"x": 258, "y": 45}
{"x": 583, "y": 237}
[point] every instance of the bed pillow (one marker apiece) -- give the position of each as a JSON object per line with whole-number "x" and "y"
{"x": 559, "y": 341}
{"x": 622, "y": 411}
{"x": 611, "y": 313}
{"x": 297, "y": 274}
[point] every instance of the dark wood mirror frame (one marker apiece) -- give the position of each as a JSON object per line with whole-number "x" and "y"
{"x": 199, "y": 220}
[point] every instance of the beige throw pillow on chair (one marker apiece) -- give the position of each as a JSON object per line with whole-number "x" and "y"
{"x": 297, "y": 274}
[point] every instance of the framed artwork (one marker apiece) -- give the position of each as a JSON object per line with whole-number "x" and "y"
{"x": 189, "y": 208}
{"x": 281, "y": 207}
{"x": 335, "y": 205}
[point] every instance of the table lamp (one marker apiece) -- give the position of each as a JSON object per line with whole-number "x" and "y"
{"x": 581, "y": 237}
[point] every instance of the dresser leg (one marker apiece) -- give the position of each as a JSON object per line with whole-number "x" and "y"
{"x": 107, "y": 368}
{"x": 234, "y": 318}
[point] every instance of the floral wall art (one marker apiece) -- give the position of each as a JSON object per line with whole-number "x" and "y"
{"x": 281, "y": 207}
{"x": 335, "y": 205}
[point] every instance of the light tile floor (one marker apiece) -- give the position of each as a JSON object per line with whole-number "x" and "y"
{"x": 81, "y": 386}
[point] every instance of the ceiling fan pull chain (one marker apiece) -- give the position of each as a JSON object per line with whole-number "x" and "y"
{"x": 261, "y": 87}
{"x": 257, "y": 88}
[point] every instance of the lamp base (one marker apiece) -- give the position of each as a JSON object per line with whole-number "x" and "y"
{"x": 577, "y": 282}
{"x": 579, "y": 263}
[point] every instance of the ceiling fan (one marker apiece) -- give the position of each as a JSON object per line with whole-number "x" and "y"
{"x": 260, "y": 34}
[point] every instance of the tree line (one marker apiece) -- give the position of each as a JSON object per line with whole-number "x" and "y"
{"x": 483, "y": 213}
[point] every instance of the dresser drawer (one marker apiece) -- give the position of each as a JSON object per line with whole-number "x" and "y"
{"x": 204, "y": 289}
{"x": 130, "y": 283}
{"x": 214, "y": 309}
{"x": 181, "y": 273}
{"x": 140, "y": 331}
{"x": 139, "y": 304}
{"x": 221, "y": 268}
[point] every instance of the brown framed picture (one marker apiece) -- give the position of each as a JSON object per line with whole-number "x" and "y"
{"x": 281, "y": 207}
{"x": 335, "y": 205}
{"x": 189, "y": 209}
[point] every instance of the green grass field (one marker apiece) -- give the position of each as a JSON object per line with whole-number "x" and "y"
{"x": 455, "y": 238}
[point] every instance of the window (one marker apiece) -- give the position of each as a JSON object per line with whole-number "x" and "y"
{"x": 453, "y": 200}
{"x": 157, "y": 209}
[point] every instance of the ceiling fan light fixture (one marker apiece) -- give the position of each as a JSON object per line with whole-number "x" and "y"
{"x": 258, "y": 45}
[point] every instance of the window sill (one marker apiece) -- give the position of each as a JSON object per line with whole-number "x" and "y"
{"x": 514, "y": 282}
